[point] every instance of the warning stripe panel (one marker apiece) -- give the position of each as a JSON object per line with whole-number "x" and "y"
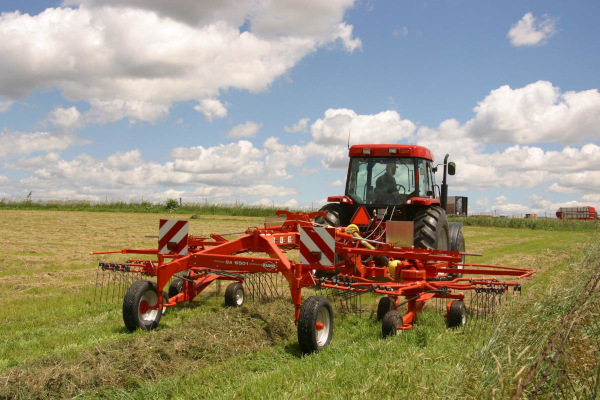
{"x": 173, "y": 231}
{"x": 317, "y": 239}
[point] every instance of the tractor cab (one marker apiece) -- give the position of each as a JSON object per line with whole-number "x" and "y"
{"x": 390, "y": 175}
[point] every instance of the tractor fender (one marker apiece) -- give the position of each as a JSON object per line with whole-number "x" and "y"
{"x": 453, "y": 231}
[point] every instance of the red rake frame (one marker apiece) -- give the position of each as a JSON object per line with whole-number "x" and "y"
{"x": 417, "y": 275}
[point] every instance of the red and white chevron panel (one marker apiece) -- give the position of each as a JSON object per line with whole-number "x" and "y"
{"x": 175, "y": 232}
{"x": 317, "y": 245}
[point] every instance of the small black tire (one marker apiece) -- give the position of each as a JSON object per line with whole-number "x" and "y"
{"x": 315, "y": 325}
{"x": 385, "y": 304}
{"x": 457, "y": 314}
{"x": 234, "y": 295}
{"x": 390, "y": 323}
{"x": 431, "y": 229}
{"x": 134, "y": 315}
{"x": 176, "y": 287}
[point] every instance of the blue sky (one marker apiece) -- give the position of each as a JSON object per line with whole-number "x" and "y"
{"x": 252, "y": 100}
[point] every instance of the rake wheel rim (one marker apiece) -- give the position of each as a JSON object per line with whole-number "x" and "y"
{"x": 148, "y": 299}
{"x": 323, "y": 319}
{"x": 239, "y": 296}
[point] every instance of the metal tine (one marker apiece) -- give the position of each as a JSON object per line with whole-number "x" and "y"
{"x": 477, "y": 307}
{"x": 101, "y": 287}
{"x": 114, "y": 283}
{"x": 109, "y": 286}
{"x": 104, "y": 285}
{"x": 260, "y": 284}
{"x": 96, "y": 287}
{"x": 121, "y": 273}
{"x": 248, "y": 287}
{"x": 486, "y": 303}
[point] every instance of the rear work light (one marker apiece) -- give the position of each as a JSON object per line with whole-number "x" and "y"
{"x": 393, "y": 151}
{"x": 366, "y": 151}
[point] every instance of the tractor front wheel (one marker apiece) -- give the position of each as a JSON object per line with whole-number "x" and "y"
{"x": 458, "y": 245}
{"x": 390, "y": 324}
{"x": 315, "y": 326}
{"x": 337, "y": 215}
{"x": 137, "y": 307}
{"x": 457, "y": 314}
{"x": 234, "y": 295}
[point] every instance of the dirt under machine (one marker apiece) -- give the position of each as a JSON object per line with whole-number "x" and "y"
{"x": 388, "y": 236}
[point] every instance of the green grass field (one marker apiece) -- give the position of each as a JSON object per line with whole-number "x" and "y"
{"x": 57, "y": 342}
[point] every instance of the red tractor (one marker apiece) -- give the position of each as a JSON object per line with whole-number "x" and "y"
{"x": 397, "y": 183}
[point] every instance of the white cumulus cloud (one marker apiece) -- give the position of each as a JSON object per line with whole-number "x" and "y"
{"x": 134, "y": 59}
{"x": 537, "y": 113}
{"x": 330, "y": 134}
{"x": 211, "y": 108}
{"x": 300, "y": 126}
{"x": 66, "y": 118}
{"x": 14, "y": 144}
{"x": 248, "y": 129}
{"x": 529, "y": 31}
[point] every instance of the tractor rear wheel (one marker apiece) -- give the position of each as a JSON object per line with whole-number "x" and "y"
{"x": 385, "y": 304}
{"x": 457, "y": 314}
{"x": 390, "y": 324}
{"x": 234, "y": 295}
{"x": 315, "y": 325}
{"x": 136, "y": 313}
{"x": 431, "y": 229}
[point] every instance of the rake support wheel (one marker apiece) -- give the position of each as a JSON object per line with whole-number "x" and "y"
{"x": 176, "y": 287}
{"x": 390, "y": 324}
{"x": 385, "y": 304}
{"x": 234, "y": 295}
{"x": 136, "y": 313}
{"x": 457, "y": 314}
{"x": 315, "y": 325}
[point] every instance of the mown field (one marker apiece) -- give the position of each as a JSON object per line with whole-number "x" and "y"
{"x": 57, "y": 342}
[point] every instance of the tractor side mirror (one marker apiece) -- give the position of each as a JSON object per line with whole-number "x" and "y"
{"x": 451, "y": 168}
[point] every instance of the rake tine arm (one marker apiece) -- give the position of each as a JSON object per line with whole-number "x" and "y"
{"x": 127, "y": 251}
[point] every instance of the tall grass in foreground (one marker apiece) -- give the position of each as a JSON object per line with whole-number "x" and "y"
{"x": 233, "y": 209}
{"x": 546, "y": 224}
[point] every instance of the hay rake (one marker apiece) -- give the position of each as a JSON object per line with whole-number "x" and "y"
{"x": 338, "y": 262}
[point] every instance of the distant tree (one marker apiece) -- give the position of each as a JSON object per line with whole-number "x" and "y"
{"x": 171, "y": 204}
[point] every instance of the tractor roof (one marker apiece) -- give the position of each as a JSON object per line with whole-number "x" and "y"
{"x": 390, "y": 150}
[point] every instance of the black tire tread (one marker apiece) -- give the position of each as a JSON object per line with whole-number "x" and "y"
{"x": 455, "y": 313}
{"x": 175, "y": 287}
{"x": 459, "y": 245}
{"x": 426, "y": 224}
{"x": 390, "y": 323}
{"x": 385, "y": 304}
